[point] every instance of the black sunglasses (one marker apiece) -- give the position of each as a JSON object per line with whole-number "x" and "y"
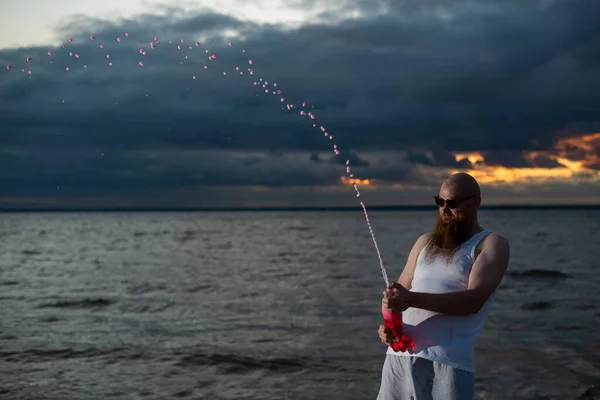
{"x": 451, "y": 203}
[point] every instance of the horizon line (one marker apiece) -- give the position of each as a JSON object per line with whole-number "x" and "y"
{"x": 298, "y": 209}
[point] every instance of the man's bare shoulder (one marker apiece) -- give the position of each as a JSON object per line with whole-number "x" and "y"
{"x": 495, "y": 241}
{"x": 423, "y": 240}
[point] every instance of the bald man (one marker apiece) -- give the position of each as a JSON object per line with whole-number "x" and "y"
{"x": 445, "y": 290}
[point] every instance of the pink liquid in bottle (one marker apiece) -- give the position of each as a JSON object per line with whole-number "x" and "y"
{"x": 393, "y": 321}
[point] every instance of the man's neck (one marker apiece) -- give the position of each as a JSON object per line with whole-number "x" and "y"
{"x": 475, "y": 228}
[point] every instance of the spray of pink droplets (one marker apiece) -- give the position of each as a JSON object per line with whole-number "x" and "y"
{"x": 262, "y": 83}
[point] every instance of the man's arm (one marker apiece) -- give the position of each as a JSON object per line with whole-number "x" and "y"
{"x": 486, "y": 274}
{"x": 406, "y": 277}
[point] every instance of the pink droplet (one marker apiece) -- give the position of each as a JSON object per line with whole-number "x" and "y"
{"x": 101, "y": 46}
{"x": 92, "y": 37}
{"x": 237, "y": 68}
{"x": 29, "y": 72}
{"x": 141, "y": 64}
{"x": 278, "y": 91}
{"x": 170, "y": 42}
{"x": 126, "y": 34}
{"x": 110, "y": 64}
{"x": 205, "y": 67}
{"x": 282, "y": 99}
{"x": 85, "y": 66}
{"x": 197, "y": 44}
{"x": 182, "y": 40}
{"x": 76, "y": 55}
{"x": 250, "y": 62}
{"x": 304, "y": 104}
{"x": 119, "y": 39}
{"x": 141, "y": 51}
{"x": 251, "y": 72}
{"x": 28, "y": 59}
{"x": 214, "y": 56}
{"x": 178, "y": 47}
{"x": 230, "y": 44}
{"x": 70, "y": 54}
{"x": 330, "y": 137}
{"x": 155, "y": 38}
{"x": 144, "y": 53}
{"x": 67, "y": 69}
{"x": 266, "y": 90}
{"x": 70, "y": 40}
{"x": 224, "y": 73}
{"x": 206, "y": 51}
{"x": 152, "y": 45}
{"x": 302, "y": 112}
{"x": 194, "y": 77}
{"x": 9, "y": 67}
{"x": 108, "y": 56}
{"x": 275, "y": 84}
{"x": 49, "y": 53}
{"x": 63, "y": 46}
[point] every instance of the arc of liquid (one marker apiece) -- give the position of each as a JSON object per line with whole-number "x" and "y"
{"x": 383, "y": 271}
{"x": 264, "y": 84}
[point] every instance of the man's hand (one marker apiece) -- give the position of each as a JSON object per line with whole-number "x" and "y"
{"x": 386, "y": 335}
{"x": 396, "y": 298}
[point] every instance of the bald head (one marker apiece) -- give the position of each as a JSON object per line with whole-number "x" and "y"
{"x": 463, "y": 185}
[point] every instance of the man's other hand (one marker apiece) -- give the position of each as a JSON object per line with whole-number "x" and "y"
{"x": 386, "y": 335}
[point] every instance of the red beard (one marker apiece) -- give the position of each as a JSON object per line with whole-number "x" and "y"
{"x": 448, "y": 235}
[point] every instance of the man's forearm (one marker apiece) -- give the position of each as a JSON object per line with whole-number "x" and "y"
{"x": 464, "y": 302}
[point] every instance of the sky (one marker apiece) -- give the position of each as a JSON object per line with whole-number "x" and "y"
{"x": 246, "y": 113}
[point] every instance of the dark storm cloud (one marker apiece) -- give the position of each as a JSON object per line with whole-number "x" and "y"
{"x": 437, "y": 158}
{"x": 462, "y": 76}
{"x": 342, "y": 158}
{"x": 517, "y": 159}
{"x": 37, "y": 172}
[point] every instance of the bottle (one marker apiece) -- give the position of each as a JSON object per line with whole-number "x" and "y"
{"x": 393, "y": 321}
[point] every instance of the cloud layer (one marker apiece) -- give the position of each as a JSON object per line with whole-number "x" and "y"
{"x": 403, "y": 89}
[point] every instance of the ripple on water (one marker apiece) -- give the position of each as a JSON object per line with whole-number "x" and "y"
{"x": 85, "y": 304}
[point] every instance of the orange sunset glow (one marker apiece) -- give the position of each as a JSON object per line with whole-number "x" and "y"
{"x": 571, "y": 159}
{"x": 576, "y": 158}
{"x": 355, "y": 181}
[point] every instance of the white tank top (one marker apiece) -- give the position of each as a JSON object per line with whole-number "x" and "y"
{"x": 446, "y": 339}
